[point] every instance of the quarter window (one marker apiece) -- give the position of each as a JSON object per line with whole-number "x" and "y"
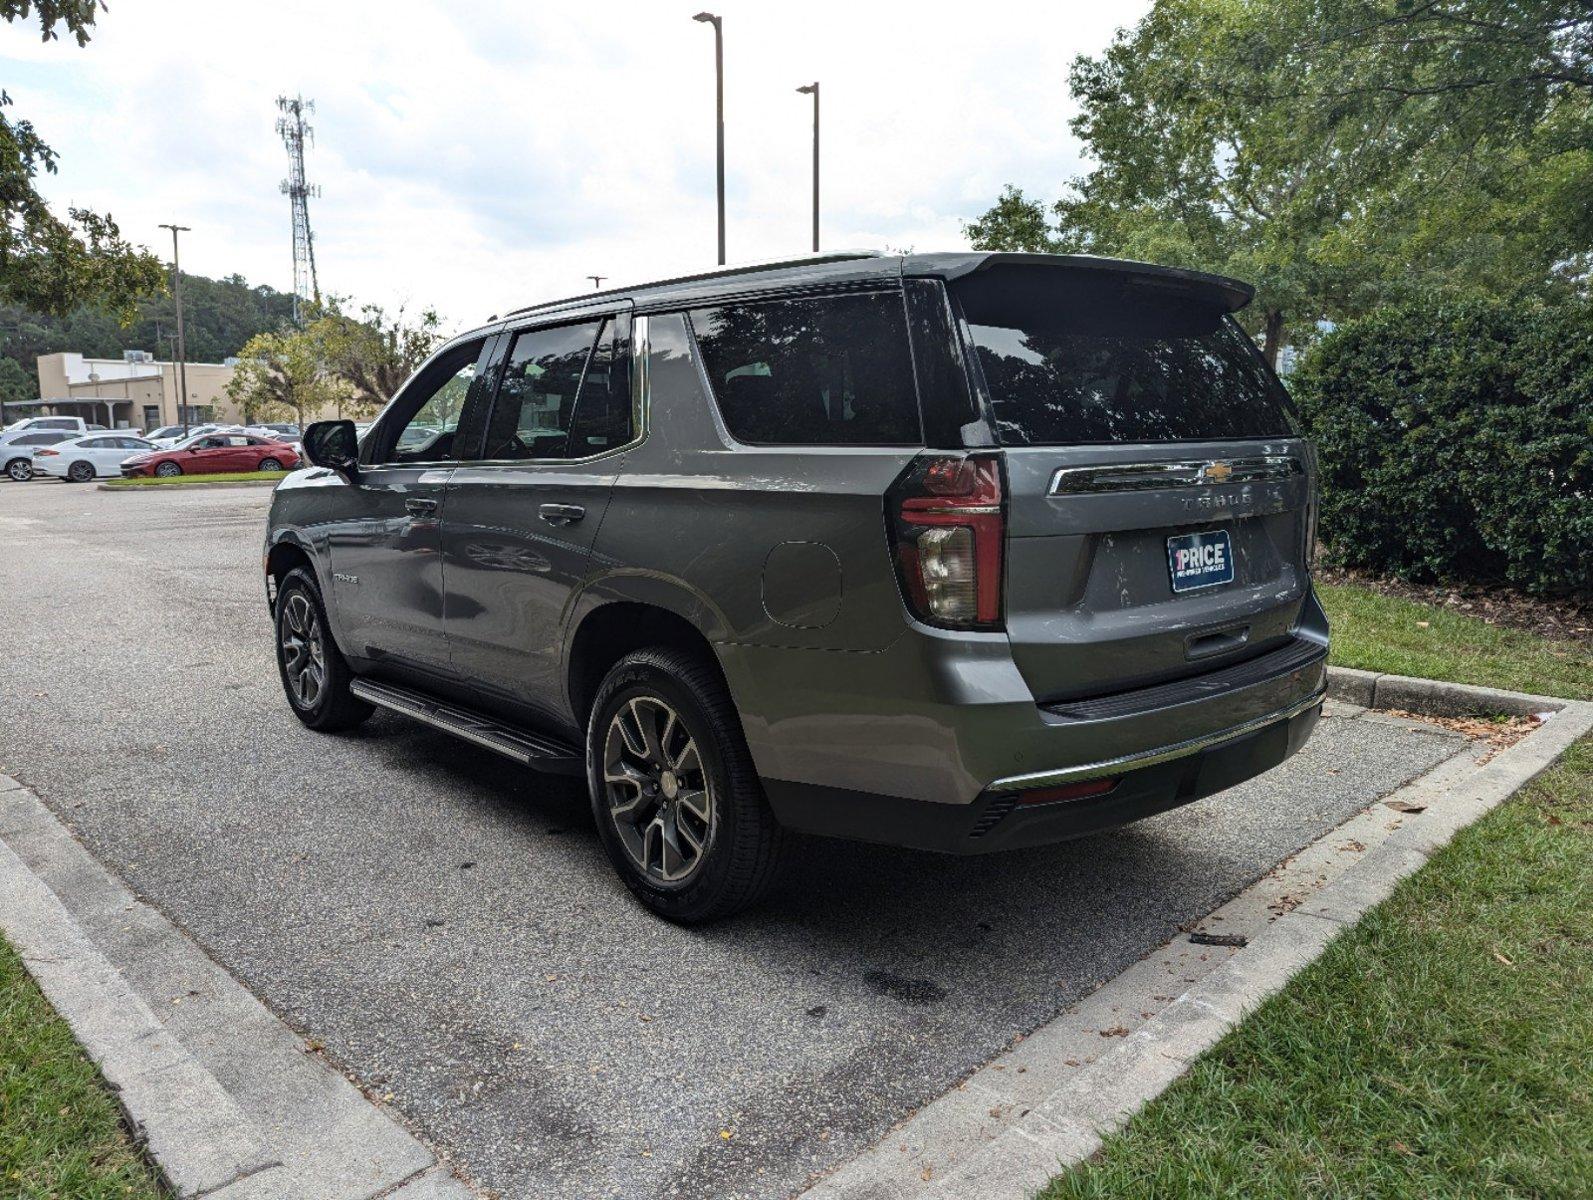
{"x": 819, "y": 370}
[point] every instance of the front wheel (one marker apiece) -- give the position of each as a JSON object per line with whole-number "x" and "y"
{"x": 167, "y": 470}
{"x": 674, "y": 794}
{"x": 20, "y": 469}
{"x": 314, "y": 675}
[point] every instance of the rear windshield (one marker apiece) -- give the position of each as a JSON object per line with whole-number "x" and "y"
{"x": 1071, "y": 360}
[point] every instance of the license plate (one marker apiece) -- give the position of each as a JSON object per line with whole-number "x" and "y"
{"x": 1200, "y": 560}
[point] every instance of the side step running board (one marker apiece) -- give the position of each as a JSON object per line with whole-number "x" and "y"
{"x": 533, "y": 750}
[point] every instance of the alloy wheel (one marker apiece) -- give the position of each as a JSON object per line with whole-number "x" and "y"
{"x": 658, "y": 792}
{"x": 81, "y": 472}
{"x": 303, "y": 651}
{"x": 21, "y": 470}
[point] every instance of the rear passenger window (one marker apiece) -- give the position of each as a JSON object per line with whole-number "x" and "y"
{"x": 821, "y": 370}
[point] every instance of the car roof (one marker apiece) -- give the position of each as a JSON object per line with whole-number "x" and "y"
{"x": 859, "y": 267}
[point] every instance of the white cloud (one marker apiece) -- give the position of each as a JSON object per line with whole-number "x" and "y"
{"x": 483, "y": 156}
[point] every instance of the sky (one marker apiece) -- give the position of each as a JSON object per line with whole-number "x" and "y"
{"x": 480, "y": 155}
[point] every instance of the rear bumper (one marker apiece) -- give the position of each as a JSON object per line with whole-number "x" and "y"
{"x": 999, "y": 820}
{"x": 921, "y": 743}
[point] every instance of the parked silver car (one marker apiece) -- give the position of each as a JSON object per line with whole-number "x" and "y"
{"x": 955, "y": 551}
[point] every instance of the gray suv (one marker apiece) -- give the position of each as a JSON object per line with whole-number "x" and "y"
{"x": 963, "y": 552}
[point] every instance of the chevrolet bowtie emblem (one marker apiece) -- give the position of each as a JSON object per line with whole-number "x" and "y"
{"x": 1215, "y": 472}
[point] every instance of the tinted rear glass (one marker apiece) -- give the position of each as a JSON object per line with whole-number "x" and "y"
{"x": 815, "y": 370}
{"x": 1072, "y": 360}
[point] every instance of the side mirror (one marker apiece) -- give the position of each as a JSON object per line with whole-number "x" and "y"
{"x": 333, "y": 444}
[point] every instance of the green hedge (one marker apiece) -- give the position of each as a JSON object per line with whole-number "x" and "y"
{"x": 1456, "y": 441}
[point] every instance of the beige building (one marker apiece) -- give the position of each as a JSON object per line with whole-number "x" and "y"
{"x": 134, "y": 391}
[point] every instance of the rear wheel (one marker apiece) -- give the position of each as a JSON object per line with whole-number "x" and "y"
{"x": 80, "y": 472}
{"x": 167, "y": 469}
{"x": 270, "y": 464}
{"x": 314, "y": 675}
{"x": 20, "y": 469}
{"x": 677, "y": 802}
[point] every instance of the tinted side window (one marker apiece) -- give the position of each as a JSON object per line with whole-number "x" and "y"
{"x": 603, "y": 413}
{"x": 535, "y": 409}
{"x": 822, "y": 370}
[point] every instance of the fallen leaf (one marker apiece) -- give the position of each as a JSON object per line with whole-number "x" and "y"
{"x": 1502, "y": 957}
{"x": 1405, "y": 806}
{"x": 926, "y": 1173}
{"x": 1114, "y": 1031}
{"x": 1423, "y": 624}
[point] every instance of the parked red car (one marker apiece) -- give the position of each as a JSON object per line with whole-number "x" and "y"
{"x": 215, "y": 454}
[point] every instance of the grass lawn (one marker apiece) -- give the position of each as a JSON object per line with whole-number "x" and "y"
{"x": 1403, "y": 637}
{"x": 1443, "y": 1047}
{"x": 139, "y": 481}
{"x": 61, "y": 1134}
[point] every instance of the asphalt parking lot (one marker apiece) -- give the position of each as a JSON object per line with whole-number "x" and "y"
{"x": 446, "y": 925}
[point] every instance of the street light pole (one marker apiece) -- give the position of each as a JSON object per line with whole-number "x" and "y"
{"x": 813, "y": 90}
{"x": 719, "y": 85}
{"x": 182, "y": 345}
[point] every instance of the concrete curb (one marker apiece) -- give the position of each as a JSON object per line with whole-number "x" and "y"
{"x": 161, "y": 487}
{"x": 1047, "y": 1103}
{"x": 230, "y": 1102}
{"x": 1433, "y": 697}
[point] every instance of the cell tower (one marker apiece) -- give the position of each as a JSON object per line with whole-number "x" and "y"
{"x": 294, "y": 133}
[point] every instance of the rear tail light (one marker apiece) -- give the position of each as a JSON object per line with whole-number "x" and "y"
{"x": 948, "y": 528}
{"x": 44, "y": 453}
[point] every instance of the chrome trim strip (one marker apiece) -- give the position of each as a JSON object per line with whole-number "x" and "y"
{"x": 1196, "y": 472}
{"x": 1149, "y": 758}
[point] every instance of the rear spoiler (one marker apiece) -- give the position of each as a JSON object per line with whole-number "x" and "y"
{"x": 1218, "y": 291}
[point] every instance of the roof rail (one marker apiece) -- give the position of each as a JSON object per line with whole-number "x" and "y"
{"x": 773, "y": 264}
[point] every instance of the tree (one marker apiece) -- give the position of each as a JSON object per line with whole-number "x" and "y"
{"x": 1336, "y": 153}
{"x": 16, "y": 382}
{"x": 372, "y": 354}
{"x": 46, "y": 263}
{"x": 282, "y": 376}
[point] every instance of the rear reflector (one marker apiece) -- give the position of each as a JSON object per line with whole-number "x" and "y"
{"x": 1068, "y": 791}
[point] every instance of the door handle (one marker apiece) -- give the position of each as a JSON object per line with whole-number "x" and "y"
{"x": 419, "y": 506}
{"x": 561, "y": 514}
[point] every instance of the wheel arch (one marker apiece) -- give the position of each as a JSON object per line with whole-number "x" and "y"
{"x": 609, "y": 631}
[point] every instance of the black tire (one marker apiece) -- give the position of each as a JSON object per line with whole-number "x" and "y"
{"x": 270, "y": 464}
{"x": 300, "y": 618}
{"x": 741, "y": 856}
{"x": 80, "y": 472}
{"x": 168, "y": 469}
{"x": 20, "y": 469}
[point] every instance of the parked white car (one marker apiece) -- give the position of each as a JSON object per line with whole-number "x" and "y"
{"x": 167, "y": 440}
{"x": 85, "y": 458}
{"x": 71, "y": 424}
{"x": 17, "y": 448}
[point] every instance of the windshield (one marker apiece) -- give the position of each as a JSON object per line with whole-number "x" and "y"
{"x": 1071, "y": 360}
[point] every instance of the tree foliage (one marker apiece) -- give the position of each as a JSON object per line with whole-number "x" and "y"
{"x": 283, "y": 376}
{"x": 1456, "y": 441}
{"x": 373, "y": 354}
{"x": 219, "y": 315}
{"x": 47, "y": 263}
{"x": 338, "y": 364}
{"x": 1336, "y": 153}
